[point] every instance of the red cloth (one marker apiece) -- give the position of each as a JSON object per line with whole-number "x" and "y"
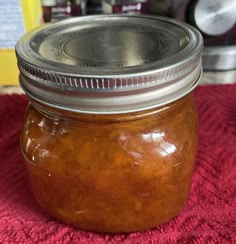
{"x": 208, "y": 217}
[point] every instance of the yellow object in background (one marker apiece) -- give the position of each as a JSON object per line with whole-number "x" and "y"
{"x": 16, "y": 17}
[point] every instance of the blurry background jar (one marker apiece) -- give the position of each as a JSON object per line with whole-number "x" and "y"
{"x": 54, "y": 10}
{"x": 125, "y": 6}
{"x": 60, "y": 9}
{"x": 47, "y": 9}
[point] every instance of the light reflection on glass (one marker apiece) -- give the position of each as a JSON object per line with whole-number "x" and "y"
{"x": 165, "y": 148}
{"x": 41, "y": 124}
{"x": 152, "y": 137}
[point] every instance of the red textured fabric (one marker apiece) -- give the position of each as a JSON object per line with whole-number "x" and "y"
{"x": 208, "y": 217}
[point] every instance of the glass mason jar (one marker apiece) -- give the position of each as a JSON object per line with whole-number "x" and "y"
{"x": 110, "y": 133}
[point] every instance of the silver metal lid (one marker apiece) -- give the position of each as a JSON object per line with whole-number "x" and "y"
{"x": 110, "y": 63}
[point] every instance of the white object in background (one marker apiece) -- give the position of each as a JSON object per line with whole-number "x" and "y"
{"x": 11, "y": 23}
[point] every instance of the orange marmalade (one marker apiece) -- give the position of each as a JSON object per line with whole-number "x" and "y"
{"x": 111, "y": 173}
{"x": 110, "y": 134}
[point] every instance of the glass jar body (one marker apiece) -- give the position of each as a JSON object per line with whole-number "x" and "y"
{"x": 111, "y": 173}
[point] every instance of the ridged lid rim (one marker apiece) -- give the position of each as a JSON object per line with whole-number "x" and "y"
{"x": 34, "y": 66}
